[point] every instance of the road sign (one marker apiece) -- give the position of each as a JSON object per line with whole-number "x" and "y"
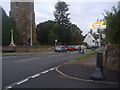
{"x": 99, "y": 25}
{"x": 103, "y": 35}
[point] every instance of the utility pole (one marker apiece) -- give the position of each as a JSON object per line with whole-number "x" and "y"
{"x": 31, "y": 44}
{"x": 99, "y": 38}
{"x": 55, "y": 42}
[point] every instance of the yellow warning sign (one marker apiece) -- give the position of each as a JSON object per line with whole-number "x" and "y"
{"x": 98, "y": 25}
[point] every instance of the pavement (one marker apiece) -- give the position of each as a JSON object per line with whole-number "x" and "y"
{"x": 82, "y": 70}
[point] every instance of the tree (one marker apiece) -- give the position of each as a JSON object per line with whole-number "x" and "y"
{"x": 60, "y": 13}
{"x": 62, "y": 28}
{"x": 43, "y": 30}
{"x": 8, "y": 24}
{"x": 76, "y": 35}
{"x": 52, "y": 37}
{"x": 113, "y": 26}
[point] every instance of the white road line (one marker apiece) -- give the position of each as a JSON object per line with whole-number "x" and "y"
{"x": 9, "y": 87}
{"x": 45, "y": 72}
{"x": 36, "y": 75}
{"x": 51, "y": 69}
{"x": 27, "y": 79}
{"x": 9, "y": 56}
{"x": 83, "y": 79}
{"x": 22, "y": 81}
{"x": 24, "y": 60}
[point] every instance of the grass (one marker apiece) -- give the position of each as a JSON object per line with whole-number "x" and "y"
{"x": 81, "y": 58}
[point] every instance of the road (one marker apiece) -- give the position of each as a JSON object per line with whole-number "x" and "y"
{"x": 18, "y": 68}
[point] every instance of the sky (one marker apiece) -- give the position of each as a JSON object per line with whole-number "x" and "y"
{"x": 82, "y": 12}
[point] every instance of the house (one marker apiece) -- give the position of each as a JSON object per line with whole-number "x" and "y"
{"x": 92, "y": 39}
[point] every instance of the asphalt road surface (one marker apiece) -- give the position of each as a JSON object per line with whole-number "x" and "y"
{"x": 17, "y": 69}
{"x": 38, "y": 70}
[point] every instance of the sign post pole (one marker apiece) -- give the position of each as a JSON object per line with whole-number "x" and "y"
{"x": 98, "y": 73}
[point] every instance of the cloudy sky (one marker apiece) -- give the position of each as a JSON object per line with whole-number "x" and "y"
{"x": 82, "y": 12}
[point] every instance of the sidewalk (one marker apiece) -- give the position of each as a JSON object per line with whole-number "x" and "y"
{"x": 82, "y": 70}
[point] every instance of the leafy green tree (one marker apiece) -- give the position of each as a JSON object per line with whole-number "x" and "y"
{"x": 61, "y": 29}
{"x": 43, "y": 30}
{"x": 52, "y": 37}
{"x": 113, "y": 26}
{"x": 61, "y": 13}
{"x": 67, "y": 32}
{"x": 8, "y": 24}
{"x": 58, "y": 30}
{"x": 76, "y": 35}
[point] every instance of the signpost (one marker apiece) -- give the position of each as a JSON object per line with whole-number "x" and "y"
{"x": 98, "y": 26}
{"x": 98, "y": 73}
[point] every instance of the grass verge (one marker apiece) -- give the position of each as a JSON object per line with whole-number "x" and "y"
{"x": 81, "y": 58}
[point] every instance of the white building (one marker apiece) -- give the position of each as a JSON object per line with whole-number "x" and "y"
{"x": 90, "y": 40}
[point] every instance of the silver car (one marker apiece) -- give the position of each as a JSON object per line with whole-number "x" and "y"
{"x": 60, "y": 48}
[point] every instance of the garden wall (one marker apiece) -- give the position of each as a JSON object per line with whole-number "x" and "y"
{"x": 113, "y": 57}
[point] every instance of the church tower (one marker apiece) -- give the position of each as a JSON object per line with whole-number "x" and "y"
{"x": 24, "y": 16}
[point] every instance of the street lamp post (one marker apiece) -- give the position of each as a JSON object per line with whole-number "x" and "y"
{"x": 99, "y": 38}
{"x": 55, "y": 42}
{"x": 31, "y": 44}
{"x": 12, "y": 41}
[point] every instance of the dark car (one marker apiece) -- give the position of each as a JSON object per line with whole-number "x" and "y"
{"x": 95, "y": 46}
{"x": 89, "y": 47}
{"x": 60, "y": 48}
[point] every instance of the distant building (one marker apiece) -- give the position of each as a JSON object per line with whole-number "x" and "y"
{"x": 92, "y": 39}
{"x": 23, "y": 13}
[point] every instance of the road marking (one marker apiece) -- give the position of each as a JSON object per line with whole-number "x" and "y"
{"x": 28, "y": 78}
{"x": 9, "y": 56}
{"x": 9, "y": 87}
{"x": 22, "y": 81}
{"x": 45, "y": 72}
{"x": 24, "y": 60}
{"x": 36, "y": 75}
{"x": 51, "y": 69}
{"x": 83, "y": 79}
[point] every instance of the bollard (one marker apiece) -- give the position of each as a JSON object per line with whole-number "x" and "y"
{"x": 98, "y": 73}
{"x": 99, "y": 62}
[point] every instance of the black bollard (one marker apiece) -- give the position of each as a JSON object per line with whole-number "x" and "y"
{"x": 99, "y": 62}
{"x": 98, "y": 73}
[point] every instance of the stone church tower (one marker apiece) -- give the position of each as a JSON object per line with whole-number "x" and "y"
{"x": 24, "y": 16}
